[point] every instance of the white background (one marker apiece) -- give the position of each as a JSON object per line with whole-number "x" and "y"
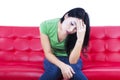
{"x": 33, "y": 12}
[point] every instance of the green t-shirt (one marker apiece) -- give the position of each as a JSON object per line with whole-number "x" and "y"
{"x": 50, "y": 28}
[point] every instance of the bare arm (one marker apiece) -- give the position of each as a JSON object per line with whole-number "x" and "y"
{"x": 47, "y": 49}
{"x": 75, "y": 53}
{"x": 66, "y": 70}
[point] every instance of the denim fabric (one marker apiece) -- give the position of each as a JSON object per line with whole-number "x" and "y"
{"x": 52, "y": 72}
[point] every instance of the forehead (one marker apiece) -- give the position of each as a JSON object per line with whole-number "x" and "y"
{"x": 72, "y": 19}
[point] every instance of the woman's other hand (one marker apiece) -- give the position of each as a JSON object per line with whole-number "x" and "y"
{"x": 81, "y": 29}
{"x": 67, "y": 71}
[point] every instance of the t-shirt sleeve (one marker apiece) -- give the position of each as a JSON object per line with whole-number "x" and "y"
{"x": 43, "y": 28}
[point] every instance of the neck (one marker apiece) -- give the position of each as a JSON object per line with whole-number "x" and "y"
{"x": 61, "y": 33}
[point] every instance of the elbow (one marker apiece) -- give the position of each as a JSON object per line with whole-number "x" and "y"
{"x": 73, "y": 61}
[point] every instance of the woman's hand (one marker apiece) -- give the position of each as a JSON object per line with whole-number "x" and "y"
{"x": 81, "y": 29}
{"x": 67, "y": 71}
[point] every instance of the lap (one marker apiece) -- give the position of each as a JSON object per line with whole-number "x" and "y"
{"x": 48, "y": 65}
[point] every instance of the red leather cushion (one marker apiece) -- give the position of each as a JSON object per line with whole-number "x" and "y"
{"x": 6, "y": 44}
{"x": 103, "y": 54}
{"x": 5, "y": 31}
{"x": 104, "y": 41}
{"x": 21, "y": 54}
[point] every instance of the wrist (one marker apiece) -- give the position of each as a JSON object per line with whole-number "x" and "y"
{"x": 61, "y": 65}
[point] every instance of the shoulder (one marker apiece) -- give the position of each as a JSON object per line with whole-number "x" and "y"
{"x": 49, "y": 25}
{"x": 51, "y": 21}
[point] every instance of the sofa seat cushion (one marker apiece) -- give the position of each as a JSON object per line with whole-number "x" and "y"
{"x": 23, "y": 70}
{"x": 102, "y": 70}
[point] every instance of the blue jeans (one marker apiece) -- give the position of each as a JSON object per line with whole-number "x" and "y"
{"x": 52, "y": 72}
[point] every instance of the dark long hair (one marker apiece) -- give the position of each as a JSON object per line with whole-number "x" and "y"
{"x": 71, "y": 38}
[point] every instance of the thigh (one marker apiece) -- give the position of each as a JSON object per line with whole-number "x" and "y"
{"x": 78, "y": 65}
{"x": 49, "y": 67}
{"x": 79, "y": 75}
{"x": 52, "y": 72}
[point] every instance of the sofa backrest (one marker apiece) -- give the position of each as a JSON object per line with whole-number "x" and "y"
{"x": 23, "y": 44}
{"x": 104, "y": 44}
{"x": 18, "y": 44}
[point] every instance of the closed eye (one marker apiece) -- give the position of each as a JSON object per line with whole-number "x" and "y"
{"x": 73, "y": 23}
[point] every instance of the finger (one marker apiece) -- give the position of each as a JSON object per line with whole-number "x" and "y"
{"x": 65, "y": 76}
{"x": 78, "y": 25}
{"x": 70, "y": 75}
{"x": 81, "y": 24}
{"x": 72, "y": 71}
{"x": 84, "y": 27}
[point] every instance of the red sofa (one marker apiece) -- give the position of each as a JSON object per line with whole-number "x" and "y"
{"x": 21, "y": 54}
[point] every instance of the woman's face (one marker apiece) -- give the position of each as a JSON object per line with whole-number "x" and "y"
{"x": 69, "y": 25}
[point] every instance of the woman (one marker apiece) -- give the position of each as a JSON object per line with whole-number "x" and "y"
{"x": 63, "y": 40}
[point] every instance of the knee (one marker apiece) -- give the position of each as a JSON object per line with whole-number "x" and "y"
{"x": 79, "y": 76}
{"x": 54, "y": 71}
{"x": 51, "y": 68}
{"x": 51, "y": 74}
{"x": 78, "y": 65}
